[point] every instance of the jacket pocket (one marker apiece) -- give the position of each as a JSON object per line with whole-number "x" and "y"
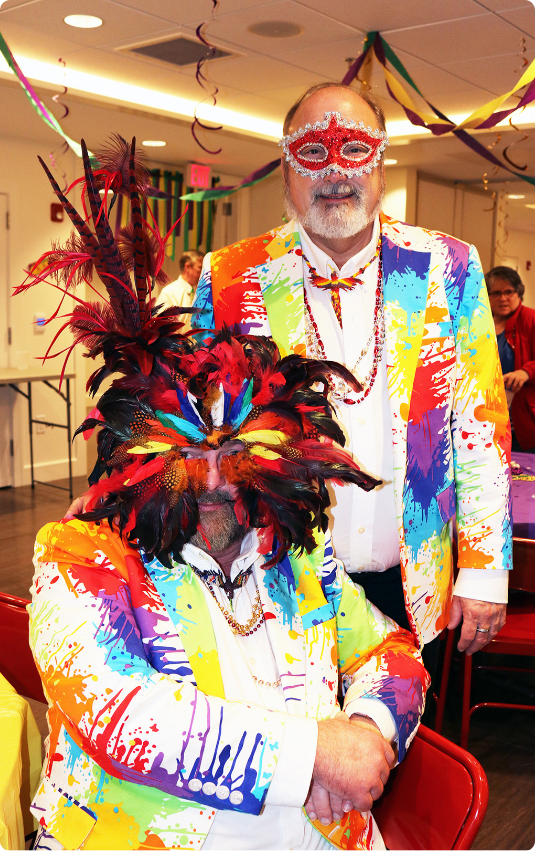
{"x": 62, "y": 816}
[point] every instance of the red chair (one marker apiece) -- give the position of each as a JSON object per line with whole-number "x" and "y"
{"x": 436, "y": 799}
{"x": 516, "y": 637}
{"x": 16, "y": 660}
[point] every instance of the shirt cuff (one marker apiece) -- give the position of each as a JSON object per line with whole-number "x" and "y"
{"x": 375, "y": 709}
{"x": 489, "y": 586}
{"x": 293, "y": 774}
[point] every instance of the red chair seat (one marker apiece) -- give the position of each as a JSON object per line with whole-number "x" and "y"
{"x": 16, "y": 660}
{"x": 436, "y": 798}
{"x": 520, "y": 625}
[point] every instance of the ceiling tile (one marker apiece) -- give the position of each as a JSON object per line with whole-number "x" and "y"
{"x": 329, "y": 62}
{"x": 498, "y": 73}
{"x": 188, "y": 12}
{"x": 47, "y": 16}
{"x": 523, "y": 18}
{"x": 318, "y": 30}
{"x": 384, "y": 15}
{"x": 22, "y": 42}
{"x": 252, "y": 74}
{"x": 500, "y": 5}
{"x": 447, "y": 42}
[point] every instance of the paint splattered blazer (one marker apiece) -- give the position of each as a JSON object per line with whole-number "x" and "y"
{"x": 143, "y": 747}
{"x": 450, "y": 425}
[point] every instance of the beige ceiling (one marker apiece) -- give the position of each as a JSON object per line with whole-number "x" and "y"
{"x": 461, "y": 53}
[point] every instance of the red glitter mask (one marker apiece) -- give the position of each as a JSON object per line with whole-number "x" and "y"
{"x": 334, "y": 144}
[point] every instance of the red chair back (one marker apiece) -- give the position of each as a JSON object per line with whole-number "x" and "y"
{"x": 16, "y": 660}
{"x": 522, "y": 576}
{"x": 436, "y": 799}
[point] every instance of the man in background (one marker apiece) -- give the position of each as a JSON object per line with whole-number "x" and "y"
{"x": 406, "y": 311}
{"x": 515, "y": 333}
{"x": 180, "y": 293}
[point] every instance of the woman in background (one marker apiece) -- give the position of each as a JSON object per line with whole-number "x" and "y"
{"x": 515, "y": 332}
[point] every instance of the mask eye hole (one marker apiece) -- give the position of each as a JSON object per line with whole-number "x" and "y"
{"x": 355, "y": 150}
{"x": 313, "y": 152}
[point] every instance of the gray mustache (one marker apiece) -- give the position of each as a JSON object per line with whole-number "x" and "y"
{"x": 214, "y": 498}
{"x": 336, "y": 189}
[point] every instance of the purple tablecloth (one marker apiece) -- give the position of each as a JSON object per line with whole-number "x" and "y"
{"x": 524, "y": 496}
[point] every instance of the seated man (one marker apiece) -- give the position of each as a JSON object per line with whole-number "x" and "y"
{"x": 193, "y": 631}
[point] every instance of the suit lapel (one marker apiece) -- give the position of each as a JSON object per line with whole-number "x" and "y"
{"x": 298, "y": 619}
{"x": 281, "y": 282}
{"x": 284, "y": 626}
{"x": 405, "y": 282}
{"x": 185, "y": 604}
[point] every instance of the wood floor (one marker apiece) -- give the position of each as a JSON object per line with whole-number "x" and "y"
{"x": 502, "y": 740}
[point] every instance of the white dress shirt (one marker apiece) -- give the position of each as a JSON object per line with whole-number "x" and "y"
{"x": 178, "y": 294}
{"x": 364, "y": 525}
{"x": 244, "y": 661}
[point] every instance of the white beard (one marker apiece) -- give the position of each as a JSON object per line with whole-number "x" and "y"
{"x": 336, "y": 222}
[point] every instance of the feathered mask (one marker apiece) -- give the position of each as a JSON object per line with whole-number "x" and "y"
{"x": 173, "y": 393}
{"x": 235, "y": 388}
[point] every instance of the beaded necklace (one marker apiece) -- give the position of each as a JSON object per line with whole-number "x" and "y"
{"x": 335, "y": 284}
{"x": 339, "y": 388}
{"x": 208, "y": 577}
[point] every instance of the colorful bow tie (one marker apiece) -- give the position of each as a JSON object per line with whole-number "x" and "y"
{"x": 335, "y": 284}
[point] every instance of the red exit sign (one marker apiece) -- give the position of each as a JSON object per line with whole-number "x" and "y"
{"x": 199, "y": 176}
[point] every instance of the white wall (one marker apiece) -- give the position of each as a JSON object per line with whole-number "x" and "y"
{"x": 459, "y": 211}
{"x": 31, "y": 232}
{"x": 400, "y": 194}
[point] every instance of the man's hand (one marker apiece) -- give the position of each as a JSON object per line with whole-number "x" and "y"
{"x": 77, "y": 507}
{"x": 474, "y": 614}
{"x": 352, "y": 765}
{"x": 515, "y": 380}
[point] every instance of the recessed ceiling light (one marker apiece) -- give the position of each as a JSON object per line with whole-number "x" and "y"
{"x": 275, "y": 29}
{"x": 83, "y": 22}
{"x": 154, "y": 143}
{"x": 516, "y": 197}
{"x": 390, "y": 162}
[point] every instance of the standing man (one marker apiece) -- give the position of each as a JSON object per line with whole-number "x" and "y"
{"x": 406, "y": 311}
{"x": 180, "y": 293}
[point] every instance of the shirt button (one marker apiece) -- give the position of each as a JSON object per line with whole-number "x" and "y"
{"x": 252, "y": 660}
{"x": 361, "y": 420}
{"x": 236, "y": 798}
{"x": 195, "y": 785}
{"x": 222, "y": 792}
{"x": 361, "y": 530}
{"x": 208, "y": 788}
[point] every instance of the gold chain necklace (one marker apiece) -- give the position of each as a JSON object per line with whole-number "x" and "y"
{"x": 252, "y": 624}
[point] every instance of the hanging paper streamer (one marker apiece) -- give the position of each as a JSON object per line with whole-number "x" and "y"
{"x": 483, "y": 118}
{"x": 34, "y": 99}
{"x": 204, "y": 83}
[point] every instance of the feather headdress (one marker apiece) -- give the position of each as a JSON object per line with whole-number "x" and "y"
{"x": 172, "y": 393}
{"x": 234, "y": 388}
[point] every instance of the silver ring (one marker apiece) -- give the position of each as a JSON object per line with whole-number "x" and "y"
{"x": 478, "y": 629}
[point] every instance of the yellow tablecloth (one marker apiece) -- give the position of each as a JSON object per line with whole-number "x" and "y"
{"x": 20, "y": 766}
